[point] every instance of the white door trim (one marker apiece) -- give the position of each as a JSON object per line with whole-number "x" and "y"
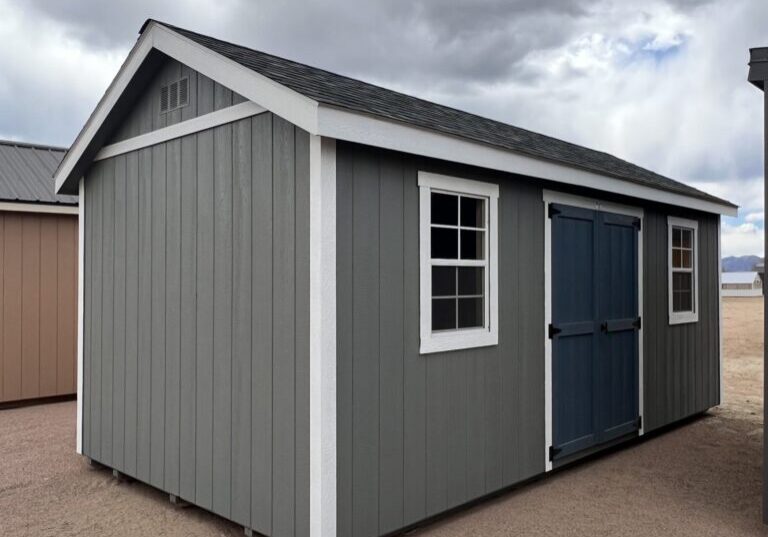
{"x": 549, "y": 197}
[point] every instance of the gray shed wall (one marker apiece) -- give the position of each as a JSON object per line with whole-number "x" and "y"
{"x": 420, "y": 434}
{"x": 205, "y": 96}
{"x": 196, "y": 347}
{"x": 682, "y": 362}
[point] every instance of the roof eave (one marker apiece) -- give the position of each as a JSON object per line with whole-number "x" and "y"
{"x": 342, "y": 124}
{"x": 758, "y": 67}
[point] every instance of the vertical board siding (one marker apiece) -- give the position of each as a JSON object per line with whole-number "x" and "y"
{"x": 38, "y": 302}
{"x": 420, "y": 434}
{"x": 205, "y": 96}
{"x": 197, "y": 342}
{"x": 681, "y": 362}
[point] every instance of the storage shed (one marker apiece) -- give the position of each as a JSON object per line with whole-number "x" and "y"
{"x": 38, "y": 276}
{"x": 315, "y": 306}
{"x": 742, "y": 284}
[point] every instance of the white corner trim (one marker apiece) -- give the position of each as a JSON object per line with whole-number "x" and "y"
{"x": 686, "y": 316}
{"x": 720, "y": 306}
{"x": 462, "y": 339}
{"x": 322, "y": 335}
{"x": 38, "y": 208}
{"x": 364, "y": 129}
{"x": 184, "y": 128}
{"x": 80, "y": 303}
{"x": 551, "y": 196}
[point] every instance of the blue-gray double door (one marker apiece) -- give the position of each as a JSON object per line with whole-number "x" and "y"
{"x": 595, "y": 327}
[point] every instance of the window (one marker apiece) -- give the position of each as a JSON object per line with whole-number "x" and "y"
{"x": 683, "y": 277}
{"x": 458, "y": 258}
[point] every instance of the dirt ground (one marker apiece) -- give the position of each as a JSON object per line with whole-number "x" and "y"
{"x": 700, "y": 479}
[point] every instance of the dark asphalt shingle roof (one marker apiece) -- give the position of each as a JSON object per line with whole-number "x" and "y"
{"x": 350, "y": 94}
{"x": 26, "y": 173}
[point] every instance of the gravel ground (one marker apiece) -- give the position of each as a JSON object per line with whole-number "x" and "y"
{"x": 700, "y": 479}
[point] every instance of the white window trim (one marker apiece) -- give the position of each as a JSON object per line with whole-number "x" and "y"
{"x": 682, "y": 317}
{"x": 464, "y": 339}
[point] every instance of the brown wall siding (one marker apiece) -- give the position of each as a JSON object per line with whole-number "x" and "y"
{"x": 38, "y": 305}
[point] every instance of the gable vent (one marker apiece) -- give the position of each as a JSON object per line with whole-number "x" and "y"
{"x": 183, "y": 92}
{"x": 174, "y": 95}
{"x": 163, "y": 99}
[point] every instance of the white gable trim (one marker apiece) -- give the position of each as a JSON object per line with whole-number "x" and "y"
{"x": 191, "y": 126}
{"x": 332, "y": 122}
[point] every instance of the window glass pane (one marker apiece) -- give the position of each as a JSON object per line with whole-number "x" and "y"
{"x": 472, "y": 212}
{"x": 471, "y": 280}
{"x": 445, "y": 243}
{"x": 676, "y": 237}
{"x": 686, "y": 236}
{"x": 682, "y": 281}
{"x": 443, "y": 314}
{"x": 682, "y": 301}
{"x": 676, "y": 259}
{"x": 687, "y": 259}
{"x": 472, "y": 244}
{"x": 470, "y": 312}
{"x": 443, "y": 281}
{"x": 445, "y": 209}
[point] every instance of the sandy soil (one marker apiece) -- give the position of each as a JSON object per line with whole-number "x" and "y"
{"x": 700, "y": 479}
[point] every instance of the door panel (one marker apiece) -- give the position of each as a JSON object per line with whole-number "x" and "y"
{"x": 594, "y": 327}
{"x": 618, "y": 311}
{"x": 573, "y": 313}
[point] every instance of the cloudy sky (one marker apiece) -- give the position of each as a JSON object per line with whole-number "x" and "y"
{"x": 663, "y": 86}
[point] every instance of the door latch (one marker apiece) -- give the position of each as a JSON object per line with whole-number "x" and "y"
{"x": 553, "y": 330}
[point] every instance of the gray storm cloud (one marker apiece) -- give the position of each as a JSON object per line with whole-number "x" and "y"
{"x": 662, "y": 85}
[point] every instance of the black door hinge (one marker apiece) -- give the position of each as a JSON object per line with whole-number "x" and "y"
{"x": 553, "y": 330}
{"x": 638, "y": 323}
{"x": 639, "y": 422}
{"x": 638, "y": 224}
{"x": 553, "y": 452}
{"x": 553, "y": 211}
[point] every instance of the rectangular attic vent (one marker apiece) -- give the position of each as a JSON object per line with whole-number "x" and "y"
{"x": 174, "y": 96}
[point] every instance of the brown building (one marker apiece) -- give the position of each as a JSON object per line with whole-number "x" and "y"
{"x": 38, "y": 276}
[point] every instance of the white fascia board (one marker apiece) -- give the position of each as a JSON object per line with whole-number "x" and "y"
{"x": 126, "y": 73}
{"x": 184, "y": 128}
{"x": 282, "y": 101}
{"x": 322, "y": 335}
{"x": 397, "y": 136}
{"x": 38, "y": 208}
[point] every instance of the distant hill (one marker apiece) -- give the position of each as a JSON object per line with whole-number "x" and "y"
{"x": 744, "y": 263}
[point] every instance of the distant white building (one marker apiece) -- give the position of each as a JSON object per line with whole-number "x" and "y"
{"x": 742, "y": 284}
